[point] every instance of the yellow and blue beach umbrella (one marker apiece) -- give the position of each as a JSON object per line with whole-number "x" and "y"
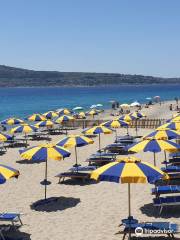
{"x": 137, "y": 115}
{"x": 47, "y": 123}
{"x": 64, "y": 111}
{"x": 50, "y": 114}
{"x": 4, "y": 137}
{"x": 176, "y": 119}
{"x": 116, "y": 124}
{"x": 64, "y": 118}
{"x": 163, "y": 135}
{"x": 128, "y": 170}
{"x": 127, "y": 118}
{"x": 12, "y": 121}
{"x": 155, "y": 146}
{"x": 37, "y": 117}
{"x": 98, "y": 130}
{"x": 75, "y": 141}
{"x": 125, "y": 105}
{"x": 92, "y": 112}
{"x": 170, "y": 125}
{"x": 7, "y": 173}
{"x": 81, "y": 115}
{"x": 24, "y": 128}
{"x": 45, "y": 152}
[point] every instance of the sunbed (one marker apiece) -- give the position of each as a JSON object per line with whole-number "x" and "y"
{"x": 11, "y": 217}
{"x": 173, "y": 161}
{"x": 171, "y": 169}
{"x": 125, "y": 141}
{"x": 82, "y": 173}
{"x": 174, "y": 155}
{"x": 100, "y": 160}
{"x": 166, "y": 189}
{"x": 116, "y": 148}
{"x": 150, "y": 228}
{"x": 166, "y": 201}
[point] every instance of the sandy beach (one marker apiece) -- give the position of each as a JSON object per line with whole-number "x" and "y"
{"x": 81, "y": 211}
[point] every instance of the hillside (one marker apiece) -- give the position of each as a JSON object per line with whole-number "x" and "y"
{"x": 17, "y": 77}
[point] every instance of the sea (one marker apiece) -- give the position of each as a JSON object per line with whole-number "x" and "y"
{"x": 21, "y": 102}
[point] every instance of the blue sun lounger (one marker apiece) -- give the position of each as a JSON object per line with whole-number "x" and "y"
{"x": 174, "y": 155}
{"x": 166, "y": 201}
{"x": 170, "y": 169}
{"x": 11, "y": 217}
{"x": 151, "y": 228}
{"x": 165, "y": 189}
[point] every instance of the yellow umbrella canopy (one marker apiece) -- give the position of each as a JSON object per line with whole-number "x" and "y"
{"x": 170, "y": 125}
{"x": 164, "y": 134}
{"x": 64, "y": 118}
{"x": 46, "y": 123}
{"x": 98, "y": 130}
{"x": 36, "y": 117}
{"x": 63, "y": 111}
{"x": 81, "y": 115}
{"x": 24, "y": 128}
{"x": 12, "y": 121}
{"x": 92, "y": 112}
{"x": 7, "y": 172}
{"x": 137, "y": 115}
{"x": 4, "y": 137}
{"x": 154, "y": 145}
{"x": 75, "y": 141}
{"x": 176, "y": 119}
{"x": 50, "y": 114}
{"x": 116, "y": 123}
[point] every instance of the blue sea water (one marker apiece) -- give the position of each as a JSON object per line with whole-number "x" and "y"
{"x": 21, "y": 102}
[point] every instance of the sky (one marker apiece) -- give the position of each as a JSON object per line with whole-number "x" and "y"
{"x": 116, "y": 36}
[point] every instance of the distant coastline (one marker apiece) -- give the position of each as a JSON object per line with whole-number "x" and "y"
{"x": 18, "y": 77}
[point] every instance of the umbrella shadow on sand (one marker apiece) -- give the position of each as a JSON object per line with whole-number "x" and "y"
{"x": 167, "y": 212}
{"x": 78, "y": 182}
{"x": 29, "y": 161}
{"x": 16, "y": 235}
{"x": 152, "y": 238}
{"x": 54, "y": 204}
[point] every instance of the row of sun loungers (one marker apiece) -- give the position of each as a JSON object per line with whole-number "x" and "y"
{"x": 173, "y": 169}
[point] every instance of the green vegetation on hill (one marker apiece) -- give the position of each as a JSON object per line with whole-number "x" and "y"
{"x": 17, "y": 77}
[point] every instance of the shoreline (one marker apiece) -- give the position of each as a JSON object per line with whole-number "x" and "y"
{"x": 94, "y": 86}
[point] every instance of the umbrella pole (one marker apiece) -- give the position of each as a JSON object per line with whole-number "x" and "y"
{"x": 26, "y": 140}
{"x": 76, "y": 157}
{"x": 129, "y": 206}
{"x": 45, "y": 189}
{"x": 116, "y": 134}
{"x": 99, "y": 142}
{"x": 165, "y": 157}
{"x": 127, "y": 131}
{"x": 154, "y": 159}
{"x": 136, "y": 127}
